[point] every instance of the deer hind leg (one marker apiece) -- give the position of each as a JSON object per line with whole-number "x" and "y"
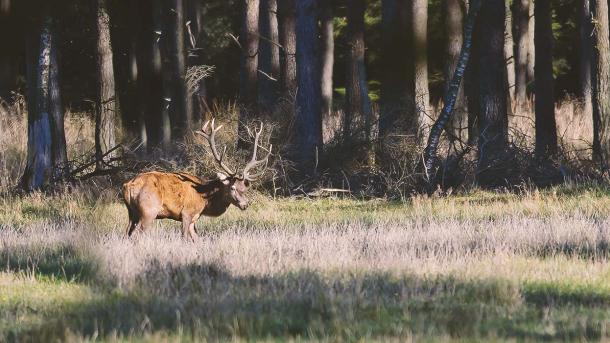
{"x": 134, "y": 225}
{"x": 147, "y": 218}
{"x": 133, "y": 222}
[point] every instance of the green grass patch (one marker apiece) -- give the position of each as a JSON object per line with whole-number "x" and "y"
{"x": 336, "y": 307}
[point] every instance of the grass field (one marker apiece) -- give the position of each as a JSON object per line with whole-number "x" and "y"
{"x": 479, "y": 266}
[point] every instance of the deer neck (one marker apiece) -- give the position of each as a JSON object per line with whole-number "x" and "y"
{"x": 217, "y": 202}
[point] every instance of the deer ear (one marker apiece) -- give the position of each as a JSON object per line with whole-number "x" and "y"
{"x": 223, "y": 178}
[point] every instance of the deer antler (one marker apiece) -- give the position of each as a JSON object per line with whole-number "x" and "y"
{"x": 210, "y": 138}
{"x": 254, "y": 162}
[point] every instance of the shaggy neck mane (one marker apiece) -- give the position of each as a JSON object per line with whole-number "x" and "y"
{"x": 217, "y": 202}
{"x": 210, "y": 188}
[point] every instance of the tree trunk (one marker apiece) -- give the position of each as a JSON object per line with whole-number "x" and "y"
{"x": 396, "y": 89}
{"x": 531, "y": 50}
{"x": 522, "y": 46}
{"x": 249, "y": 40}
{"x": 147, "y": 85}
{"x": 452, "y": 91}
{"x": 269, "y": 55}
{"x": 59, "y": 155}
{"x": 124, "y": 40}
{"x": 308, "y": 122}
{"x": 8, "y": 65}
{"x": 331, "y": 121}
{"x": 601, "y": 83}
{"x": 358, "y": 112}
{"x": 288, "y": 40}
{"x": 471, "y": 84}
{"x": 419, "y": 19}
{"x": 493, "y": 122}
{"x": 586, "y": 52}
{"x": 195, "y": 18}
{"x": 107, "y": 109}
{"x": 546, "y": 130}
{"x": 509, "y": 57}
{"x": 179, "y": 105}
{"x": 155, "y": 112}
{"x": 46, "y": 144}
{"x": 454, "y": 17}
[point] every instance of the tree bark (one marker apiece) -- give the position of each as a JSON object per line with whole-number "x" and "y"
{"x": 586, "y": 52}
{"x": 180, "y": 106}
{"x": 396, "y": 78}
{"x": 419, "y": 20}
{"x": 249, "y": 41}
{"x": 308, "y": 122}
{"x": 331, "y": 121}
{"x": 531, "y": 49}
{"x": 46, "y": 154}
{"x": 509, "y": 57}
{"x": 288, "y": 40}
{"x": 195, "y": 16}
{"x": 601, "y": 83}
{"x": 8, "y": 61}
{"x": 107, "y": 109}
{"x": 471, "y": 84}
{"x": 546, "y": 130}
{"x": 59, "y": 155}
{"x": 452, "y": 91}
{"x": 493, "y": 121}
{"x": 358, "y": 112}
{"x": 155, "y": 113}
{"x": 454, "y": 18}
{"x": 124, "y": 38}
{"x": 522, "y": 46}
{"x": 269, "y": 55}
{"x": 147, "y": 83}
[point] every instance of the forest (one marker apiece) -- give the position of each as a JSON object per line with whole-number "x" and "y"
{"x": 351, "y": 88}
{"x": 321, "y": 170}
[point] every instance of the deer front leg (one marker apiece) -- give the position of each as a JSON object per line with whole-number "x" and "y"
{"x": 186, "y": 223}
{"x": 193, "y": 231}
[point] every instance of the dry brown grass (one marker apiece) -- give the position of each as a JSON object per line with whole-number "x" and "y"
{"x": 574, "y": 129}
{"x": 478, "y": 266}
{"x": 529, "y": 265}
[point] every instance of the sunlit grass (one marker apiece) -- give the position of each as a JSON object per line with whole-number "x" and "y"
{"x": 531, "y": 265}
{"x": 106, "y": 212}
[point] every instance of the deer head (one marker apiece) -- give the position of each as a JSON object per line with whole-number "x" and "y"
{"x": 235, "y": 184}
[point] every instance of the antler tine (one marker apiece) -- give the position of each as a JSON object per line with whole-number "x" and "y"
{"x": 211, "y": 138}
{"x": 253, "y": 162}
{"x": 264, "y": 161}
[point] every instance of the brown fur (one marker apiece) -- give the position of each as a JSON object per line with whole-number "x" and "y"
{"x": 179, "y": 196}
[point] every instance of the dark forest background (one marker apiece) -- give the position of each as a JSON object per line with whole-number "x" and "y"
{"x": 390, "y": 61}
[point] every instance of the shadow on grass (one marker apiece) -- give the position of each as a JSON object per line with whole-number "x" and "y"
{"x": 598, "y": 250}
{"x": 205, "y": 301}
{"x": 549, "y": 294}
{"x": 62, "y": 262}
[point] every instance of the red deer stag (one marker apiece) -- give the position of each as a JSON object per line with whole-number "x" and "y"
{"x": 185, "y": 197}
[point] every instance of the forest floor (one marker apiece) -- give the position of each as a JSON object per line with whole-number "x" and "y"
{"x": 479, "y": 266}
